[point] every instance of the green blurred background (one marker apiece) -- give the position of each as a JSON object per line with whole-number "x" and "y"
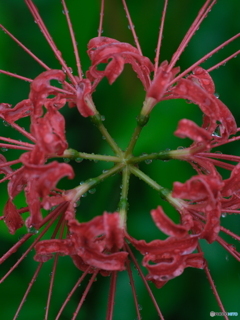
{"x": 188, "y": 296}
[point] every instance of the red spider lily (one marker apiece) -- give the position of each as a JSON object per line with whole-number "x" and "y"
{"x": 88, "y": 242}
{"x": 100, "y": 246}
{"x": 170, "y": 256}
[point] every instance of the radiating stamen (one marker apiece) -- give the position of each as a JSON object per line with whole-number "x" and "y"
{"x": 160, "y": 37}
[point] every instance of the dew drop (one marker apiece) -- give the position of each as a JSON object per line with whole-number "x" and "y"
{"x": 84, "y": 195}
{"x": 92, "y": 191}
{"x": 224, "y": 214}
{"x": 102, "y": 117}
{"x": 66, "y": 160}
{"x": 148, "y": 161}
{"x": 227, "y": 257}
{"x": 104, "y": 171}
{"x": 32, "y": 230}
{"x": 4, "y": 149}
{"x": 76, "y": 204}
{"x": 103, "y": 137}
{"x": 65, "y": 12}
{"x": 216, "y": 95}
{"x": 78, "y": 160}
{"x": 180, "y": 148}
{"x": 5, "y": 123}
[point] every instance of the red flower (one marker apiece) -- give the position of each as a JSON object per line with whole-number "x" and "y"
{"x": 95, "y": 243}
{"x": 169, "y": 257}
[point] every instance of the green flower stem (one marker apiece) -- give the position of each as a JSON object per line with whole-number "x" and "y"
{"x": 141, "y": 122}
{"x": 162, "y": 155}
{"x": 141, "y": 175}
{"x": 79, "y": 156}
{"x": 123, "y": 203}
{"x": 96, "y": 119}
{"x": 76, "y": 193}
{"x": 165, "y": 193}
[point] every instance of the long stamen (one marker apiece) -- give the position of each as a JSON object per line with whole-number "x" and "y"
{"x": 203, "y": 59}
{"x": 76, "y": 53}
{"x": 210, "y": 280}
{"x": 9, "y": 163}
{"x": 26, "y": 144}
{"x": 220, "y": 156}
{"x": 72, "y": 292}
{"x": 100, "y": 28}
{"x": 132, "y": 28}
{"x": 223, "y": 62}
{"x": 15, "y": 247}
{"x": 16, "y": 76}
{"x": 53, "y": 273}
{"x": 54, "y": 215}
{"x": 11, "y": 146}
{"x": 8, "y": 176}
{"x": 23, "y": 131}
{"x": 25, "y": 48}
{"x": 218, "y": 163}
{"x": 111, "y": 295}
{"x": 230, "y": 233}
{"x": 144, "y": 281}
{"x": 160, "y": 36}
{"x": 133, "y": 289}
{"x": 49, "y": 39}
{"x": 195, "y": 25}
{"x": 84, "y": 295}
{"x": 229, "y": 248}
{"x": 28, "y": 290}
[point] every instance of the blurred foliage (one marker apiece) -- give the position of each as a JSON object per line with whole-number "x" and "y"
{"x": 188, "y": 296}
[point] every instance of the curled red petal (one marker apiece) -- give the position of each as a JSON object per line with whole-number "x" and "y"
{"x": 189, "y": 129}
{"x": 217, "y": 113}
{"x": 158, "y": 247}
{"x": 232, "y": 185}
{"x": 6, "y": 169}
{"x": 46, "y": 248}
{"x": 205, "y": 191}
{"x": 201, "y": 77}
{"x": 40, "y": 89}
{"x": 49, "y": 132}
{"x": 114, "y": 233}
{"x": 21, "y": 110}
{"x": 83, "y": 98}
{"x": 12, "y": 218}
{"x": 101, "y": 49}
{"x": 166, "y": 225}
